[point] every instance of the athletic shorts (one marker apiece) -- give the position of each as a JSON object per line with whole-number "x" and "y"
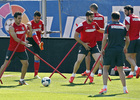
{"x": 99, "y": 44}
{"x": 93, "y": 50}
{"x": 36, "y": 48}
{"x": 114, "y": 57}
{"x": 134, "y": 46}
{"x": 19, "y": 55}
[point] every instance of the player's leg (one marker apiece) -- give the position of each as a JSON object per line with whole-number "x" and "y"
{"x": 105, "y": 79}
{"x": 36, "y": 60}
{"x": 95, "y": 54}
{"x": 23, "y": 56}
{"x": 76, "y": 66}
{"x": 87, "y": 62}
{"x": 130, "y": 57}
{"x": 40, "y": 44}
{"x": 81, "y": 55}
{"x": 99, "y": 43}
{"x": 122, "y": 78}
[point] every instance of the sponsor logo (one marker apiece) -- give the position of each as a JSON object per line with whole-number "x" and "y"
{"x": 90, "y": 30}
{"x": 117, "y": 27}
{"x": 135, "y": 19}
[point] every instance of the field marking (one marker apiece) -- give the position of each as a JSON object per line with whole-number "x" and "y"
{"x": 10, "y": 76}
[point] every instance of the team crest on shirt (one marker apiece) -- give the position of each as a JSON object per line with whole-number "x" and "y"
{"x": 22, "y": 28}
{"x": 93, "y": 26}
{"x": 39, "y": 25}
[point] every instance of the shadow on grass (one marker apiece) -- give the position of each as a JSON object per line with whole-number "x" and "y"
{"x": 103, "y": 95}
{"x": 119, "y": 79}
{"x": 31, "y": 79}
{"x": 81, "y": 77}
{"x": 75, "y": 84}
{"x": 11, "y": 86}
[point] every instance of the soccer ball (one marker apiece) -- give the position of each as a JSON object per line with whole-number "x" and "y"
{"x": 46, "y": 81}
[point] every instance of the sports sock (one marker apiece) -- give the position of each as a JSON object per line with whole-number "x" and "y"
{"x": 21, "y": 79}
{"x": 87, "y": 71}
{"x": 131, "y": 73}
{"x": 36, "y": 38}
{"x": 36, "y": 67}
{"x": 105, "y": 87}
{"x": 73, "y": 74}
{"x": 92, "y": 74}
{"x": 136, "y": 67}
{"x": 100, "y": 71}
{"x": 124, "y": 88}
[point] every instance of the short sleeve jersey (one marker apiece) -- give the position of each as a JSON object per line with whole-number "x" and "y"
{"x": 87, "y": 31}
{"x": 134, "y": 22}
{"x": 116, "y": 33}
{"x": 99, "y": 19}
{"x": 36, "y": 27}
{"x": 20, "y": 31}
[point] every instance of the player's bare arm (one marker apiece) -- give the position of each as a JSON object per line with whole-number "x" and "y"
{"x": 13, "y": 34}
{"x": 29, "y": 32}
{"x": 104, "y": 42}
{"x": 127, "y": 41}
{"x": 76, "y": 36}
{"x": 101, "y": 30}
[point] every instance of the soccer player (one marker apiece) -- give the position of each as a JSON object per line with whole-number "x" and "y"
{"x": 99, "y": 19}
{"x": 88, "y": 43}
{"x": 36, "y": 28}
{"x": 132, "y": 23}
{"x": 17, "y": 31}
{"x": 114, "y": 53}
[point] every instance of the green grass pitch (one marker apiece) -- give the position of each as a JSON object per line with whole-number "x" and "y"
{"x": 61, "y": 89}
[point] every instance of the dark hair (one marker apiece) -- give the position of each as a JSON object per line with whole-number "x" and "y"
{"x": 89, "y": 13}
{"x": 115, "y": 15}
{"x": 37, "y": 13}
{"x": 129, "y": 7}
{"x": 94, "y": 5}
{"x": 17, "y": 14}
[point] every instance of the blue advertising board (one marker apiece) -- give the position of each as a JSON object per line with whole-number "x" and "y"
{"x": 73, "y": 12}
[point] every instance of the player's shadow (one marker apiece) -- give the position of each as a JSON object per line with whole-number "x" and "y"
{"x": 81, "y": 77}
{"x": 102, "y": 95}
{"x": 11, "y": 86}
{"x": 75, "y": 84}
{"x": 31, "y": 79}
{"x": 119, "y": 79}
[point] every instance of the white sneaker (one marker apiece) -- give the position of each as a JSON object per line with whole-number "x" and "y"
{"x": 37, "y": 77}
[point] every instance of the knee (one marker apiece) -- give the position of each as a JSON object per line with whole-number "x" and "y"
{"x": 79, "y": 61}
{"x": 26, "y": 64}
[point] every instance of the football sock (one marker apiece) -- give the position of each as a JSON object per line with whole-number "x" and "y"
{"x": 136, "y": 67}
{"x": 21, "y": 79}
{"x": 36, "y": 67}
{"x": 100, "y": 71}
{"x": 73, "y": 74}
{"x": 131, "y": 73}
{"x": 105, "y": 87}
{"x": 87, "y": 71}
{"x": 92, "y": 74}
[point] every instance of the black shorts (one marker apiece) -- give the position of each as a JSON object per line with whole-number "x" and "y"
{"x": 99, "y": 44}
{"x": 36, "y": 48}
{"x": 134, "y": 46}
{"x": 93, "y": 50}
{"x": 114, "y": 57}
{"x": 19, "y": 55}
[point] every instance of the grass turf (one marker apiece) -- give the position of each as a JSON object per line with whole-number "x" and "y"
{"x": 61, "y": 89}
